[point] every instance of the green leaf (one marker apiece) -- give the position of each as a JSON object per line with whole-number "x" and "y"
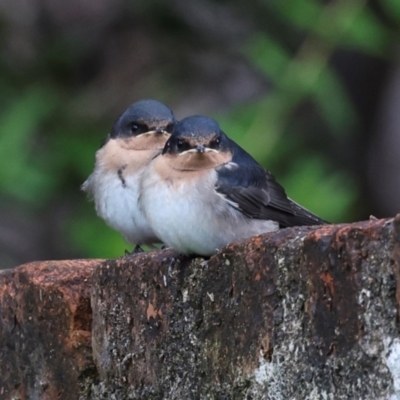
{"x": 329, "y": 195}
{"x": 334, "y": 103}
{"x": 74, "y": 145}
{"x": 392, "y": 7}
{"x": 258, "y": 127}
{"x": 268, "y": 55}
{"x": 89, "y": 234}
{"x": 20, "y": 175}
{"x": 345, "y": 23}
{"x": 300, "y": 13}
{"x": 363, "y": 30}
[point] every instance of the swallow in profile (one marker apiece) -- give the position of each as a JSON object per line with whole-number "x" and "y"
{"x": 204, "y": 191}
{"x": 138, "y": 135}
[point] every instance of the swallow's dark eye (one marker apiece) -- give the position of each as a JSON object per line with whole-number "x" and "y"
{"x": 169, "y": 128}
{"x": 215, "y": 143}
{"x": 134, "y": 128}
{"x": 180, "y": 145}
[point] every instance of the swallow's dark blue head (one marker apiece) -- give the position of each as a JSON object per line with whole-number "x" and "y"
{"x": 197, "y": 134}
{"x": 144, "y": 116}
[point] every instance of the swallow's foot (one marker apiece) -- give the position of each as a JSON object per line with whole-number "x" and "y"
{"x": 136, "y": 250}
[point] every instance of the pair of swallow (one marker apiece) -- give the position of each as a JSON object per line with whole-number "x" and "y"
{"x": 185, "y": 184}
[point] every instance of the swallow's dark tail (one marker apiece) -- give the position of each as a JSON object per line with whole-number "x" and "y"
{"x": 302, "y": 217}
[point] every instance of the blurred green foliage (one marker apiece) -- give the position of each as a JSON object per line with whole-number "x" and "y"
{"x": 47, "y": 147}
{"x": 303, "y": 76}
{"x": 24, "y": 175}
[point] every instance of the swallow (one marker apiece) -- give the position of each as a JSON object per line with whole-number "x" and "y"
{"x": 137, "y": 136}
{"x": 204, "y": 191}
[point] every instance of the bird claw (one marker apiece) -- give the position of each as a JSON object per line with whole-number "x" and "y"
{"x": 136, "y": 250}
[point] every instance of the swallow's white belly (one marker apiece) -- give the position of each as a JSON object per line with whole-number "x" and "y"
{"x": 192, "y": 218}
{"x": 117, "y": 204}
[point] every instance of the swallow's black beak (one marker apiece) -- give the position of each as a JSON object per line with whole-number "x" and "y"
{"x": 159, "y": 130}
{"x": 200, "y": 148}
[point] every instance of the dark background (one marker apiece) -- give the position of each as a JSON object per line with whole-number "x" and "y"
{"x": 310, "y": 88}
